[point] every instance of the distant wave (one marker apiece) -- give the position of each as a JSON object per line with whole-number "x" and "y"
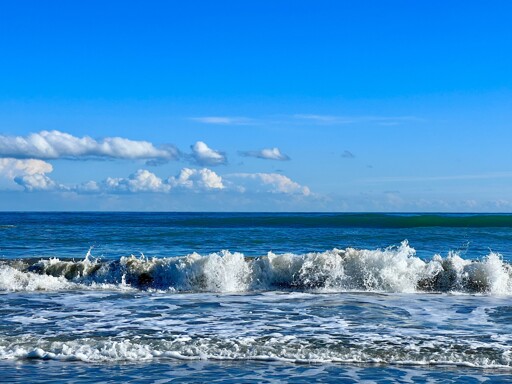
{"x": 350, "y": 220}
{"x": 394, "y": 269}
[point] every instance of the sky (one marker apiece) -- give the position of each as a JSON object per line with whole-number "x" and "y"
{"x": 336, "y": 106}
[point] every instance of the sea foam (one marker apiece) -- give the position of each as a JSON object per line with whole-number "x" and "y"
{"x": 393, "y": 269}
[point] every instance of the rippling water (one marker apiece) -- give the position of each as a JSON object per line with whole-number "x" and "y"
{"x": 255, "y": 297}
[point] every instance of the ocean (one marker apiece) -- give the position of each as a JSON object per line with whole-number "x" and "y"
{"x": 255, "y": 297}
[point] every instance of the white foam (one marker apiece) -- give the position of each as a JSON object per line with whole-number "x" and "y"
{"x": 394, "y": 269}
{"x": 12, "y": 279}
{"x": 277, "y": 348}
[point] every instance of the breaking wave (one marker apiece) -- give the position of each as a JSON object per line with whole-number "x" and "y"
{"x": 394, "y": 269}
{"x": 273, "y": 348}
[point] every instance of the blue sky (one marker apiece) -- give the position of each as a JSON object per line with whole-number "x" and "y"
{"x": 264, "y": 105}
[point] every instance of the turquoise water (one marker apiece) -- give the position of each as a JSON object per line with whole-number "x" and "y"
{"x": 255, "y": 297}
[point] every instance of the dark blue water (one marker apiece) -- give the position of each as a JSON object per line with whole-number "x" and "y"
{"x": 255, "y": 297}
{"x": 175, "y": 234}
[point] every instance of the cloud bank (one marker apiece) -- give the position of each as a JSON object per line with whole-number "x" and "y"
{"x": 56, "y": 144}
{"x": 22, "y": 163}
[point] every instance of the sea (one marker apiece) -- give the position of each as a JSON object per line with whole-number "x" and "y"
{"x": 112, "y": 297}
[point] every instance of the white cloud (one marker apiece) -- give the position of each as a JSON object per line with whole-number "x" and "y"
{"x": 204, "y": 155}
{"x": 11, "y": 168}
{"x": 56, "y": 144}
{"x": 223, "y": 120}
{"x": 333, "y": 119}
{"x": 140, "y": 181}
{"x": 405, "y": 179}
{"x": 88, "y": 187}
{"x": 146, "y": 181}
{"x": 197, "y": 179}
{"x": 32, "y": 176}
{"x": 267, "y": 154}
{"x": 37, "y": 182}
{"x": 278, "y": 183}
{"x": 28, "y": 173}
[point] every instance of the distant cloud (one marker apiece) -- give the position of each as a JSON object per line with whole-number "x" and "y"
{"x": 204, "y": 155}
{"x": 482, "y": 176}
{"x": 328, "y": 119}
{"x": 37, "y": 182}
{"x": 347, "y": 154}
{"x": 56, "y": 144}
{"x": 188, "y": 179}
{"x": 336, "y": 119}
{"x": 278, "y": 183}
{"x": 267, "y": 154}
{"x": 146, "y": 181}
{"x": 223, "y": 120}
{"x": 141, "y": 181}
{"x": 197, "y": 179}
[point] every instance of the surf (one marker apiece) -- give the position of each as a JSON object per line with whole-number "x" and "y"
{"x": 393, "y": 269}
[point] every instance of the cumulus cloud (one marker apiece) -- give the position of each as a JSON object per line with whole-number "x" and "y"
{"x": 37, "y": 182}
{"x": 267, "y": 154}
{"x": 140, "y": 181}
{"x": 275, "y": 182}
{"x": 28, "y": 173}
{"x": 204, "y": 155}
{"x": 32, "y": 176}
{"x": 56, "y": 144}
{"x": 11, "y": 168}
{"x": 197, "y": 179}
{"x": 146, "y": 181}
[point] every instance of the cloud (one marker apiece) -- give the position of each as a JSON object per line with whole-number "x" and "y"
{"x": 141, "y": 181}
{"x": 333, "y": 119}
{"x": 204, "y": 155}
{"x": 28, "y": 173}
{"x": 276, "y": 182}
{"x": 37, "y": 182}
{"x": 406, "y": 179}
{"x": 32, "y": 176}
{"x": 197, "y": 179}
{"x": 11, "y": 168}
{"x": 267, "y": 154}
{"x": 347, "y": 154}
{"x": 223, "y": 120}
{"x": 324, "y": 118}
{"x": 56, "y": 144}
{"x": 146, "y": 181}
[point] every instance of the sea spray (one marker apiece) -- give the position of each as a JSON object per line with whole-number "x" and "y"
{"x": 393, "y": 269}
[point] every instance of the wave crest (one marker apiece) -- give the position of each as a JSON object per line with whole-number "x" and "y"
{"x": 394, "y": 269}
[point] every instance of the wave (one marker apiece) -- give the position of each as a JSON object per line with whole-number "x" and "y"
{"x": 276, "y": 347}
{"x": 394, "y": 269}
{"x": 348, "y": 220}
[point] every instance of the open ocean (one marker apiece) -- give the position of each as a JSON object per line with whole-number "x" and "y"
{"x": 255, "y": 297}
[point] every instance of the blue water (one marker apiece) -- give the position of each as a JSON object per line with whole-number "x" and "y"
{"x": 197, "y": 297}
